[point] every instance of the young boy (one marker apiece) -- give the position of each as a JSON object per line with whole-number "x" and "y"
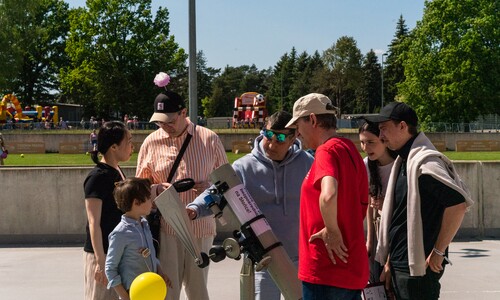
{"x": 131, "y": 250}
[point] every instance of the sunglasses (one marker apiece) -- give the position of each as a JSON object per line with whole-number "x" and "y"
{"x": 280, "y": 137}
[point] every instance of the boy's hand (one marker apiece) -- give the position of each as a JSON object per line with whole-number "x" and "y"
{"x": 167, "y": 280}
{"x": 165, "y": 277}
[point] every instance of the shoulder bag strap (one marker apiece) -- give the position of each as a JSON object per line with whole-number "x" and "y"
{"x": 179, "y": 156}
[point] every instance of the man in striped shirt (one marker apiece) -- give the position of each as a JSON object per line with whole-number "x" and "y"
{"x": 203, "y": 154}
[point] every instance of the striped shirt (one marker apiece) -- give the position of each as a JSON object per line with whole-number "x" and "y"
{"x": 204, "y": 154}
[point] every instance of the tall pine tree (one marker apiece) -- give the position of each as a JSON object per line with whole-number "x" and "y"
{"x": 394, "y": 72}
{"x": 369, "y": 97}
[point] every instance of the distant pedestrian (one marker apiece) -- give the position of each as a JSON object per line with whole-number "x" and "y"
{"x": 93, "y": 140}
{"x": 3, "y": 150}
{"x": 63, "y": 123}
{"x": 93, "y": 122}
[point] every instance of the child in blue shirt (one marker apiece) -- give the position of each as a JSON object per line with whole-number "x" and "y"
{"x": 131, "y": 250}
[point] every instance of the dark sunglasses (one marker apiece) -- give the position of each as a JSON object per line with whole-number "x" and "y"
{"x": 280, "y": 137}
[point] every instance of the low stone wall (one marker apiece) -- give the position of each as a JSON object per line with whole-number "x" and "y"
{"x": 54, "y": 142}
{"x": 46, "y": 205}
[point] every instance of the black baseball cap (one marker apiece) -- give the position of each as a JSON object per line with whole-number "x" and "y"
{"x": 397, "y": 111}
{"x": 167, "y": 104}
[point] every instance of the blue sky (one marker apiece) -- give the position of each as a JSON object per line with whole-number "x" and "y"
{"x": 237, "y": 32}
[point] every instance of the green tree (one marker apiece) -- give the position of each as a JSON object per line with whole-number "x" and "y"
{"x": 116, "y": 49}
{"x": 303, "y": 74}
{"x": 206, "y": 76}
{"x": 343, "y": 61}
{"x": 11, "y": 35}
{"x": 276, "y": 94}
{"x": 393, "y": 66}
{"x": 453, "y": 60}
{"x": 369, "y": 96}
{"x": 279, "y": 96}
{"x": 293, "y": 77}
{"x": 233, "y": 82}
{"x": 253, "y": 80}
{"x": 36, "y": 31}
{"x": 318, "y": 70}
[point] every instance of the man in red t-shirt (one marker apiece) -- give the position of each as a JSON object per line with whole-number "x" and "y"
{"x": 333, "y": 262}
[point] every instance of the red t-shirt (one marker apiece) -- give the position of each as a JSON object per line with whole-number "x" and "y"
{"x": 339, "y": 158}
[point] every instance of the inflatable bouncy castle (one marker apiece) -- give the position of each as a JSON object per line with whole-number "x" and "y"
{"x": 249, "y": 110}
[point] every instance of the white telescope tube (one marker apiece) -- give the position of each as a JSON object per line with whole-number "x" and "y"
{"x": 280, "y": 267}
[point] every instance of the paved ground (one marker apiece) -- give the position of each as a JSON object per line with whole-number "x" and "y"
{"x": 40, "y": 273}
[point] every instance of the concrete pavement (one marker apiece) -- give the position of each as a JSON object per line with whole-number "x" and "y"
{"x": 52, "y": 273}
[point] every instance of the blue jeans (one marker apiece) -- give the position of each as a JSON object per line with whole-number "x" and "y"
{"x": 311, "y": 291}
{"x": 265, "y": 288}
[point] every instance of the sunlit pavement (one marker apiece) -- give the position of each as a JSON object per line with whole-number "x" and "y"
{"x": 43, "y": 273}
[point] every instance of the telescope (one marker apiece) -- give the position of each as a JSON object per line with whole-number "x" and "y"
{"x": 254, "y": 238}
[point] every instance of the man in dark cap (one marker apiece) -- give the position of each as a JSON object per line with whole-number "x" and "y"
{"x": 204, "y": 153}
{"x": 423, "y": 208}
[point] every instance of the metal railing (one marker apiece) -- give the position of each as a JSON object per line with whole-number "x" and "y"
{"x": 342, "y": 124}
{"x": 461, "y": 127}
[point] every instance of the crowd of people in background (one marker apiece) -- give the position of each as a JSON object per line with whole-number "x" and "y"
{"x": 63, "y": 124}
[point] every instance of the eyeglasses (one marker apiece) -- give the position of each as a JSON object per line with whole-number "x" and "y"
{"x": 169, "y": 123}
{"x": 280, "y": 137}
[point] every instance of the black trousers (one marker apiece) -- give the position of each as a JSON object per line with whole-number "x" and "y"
{"x": 408, "y": 287}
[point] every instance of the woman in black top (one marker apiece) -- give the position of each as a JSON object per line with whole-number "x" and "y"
{"x": 114, "y": 143}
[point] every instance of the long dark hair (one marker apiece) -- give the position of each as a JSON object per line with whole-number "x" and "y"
{"x": 375, "y": 180}
{"x": 110, "y": 133}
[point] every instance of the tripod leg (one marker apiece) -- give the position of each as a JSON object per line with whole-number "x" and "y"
{"x": 247, "y": 280}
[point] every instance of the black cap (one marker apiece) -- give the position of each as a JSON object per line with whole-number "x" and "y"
{"x": 166, "y": 104}
{"x": 397, "y": 111}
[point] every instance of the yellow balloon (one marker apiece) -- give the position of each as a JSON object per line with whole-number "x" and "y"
{"x": 148, "y": 286}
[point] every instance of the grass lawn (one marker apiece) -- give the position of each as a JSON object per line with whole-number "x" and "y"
{"x": 55, "y": 159}
{"x": 483, "y": 156}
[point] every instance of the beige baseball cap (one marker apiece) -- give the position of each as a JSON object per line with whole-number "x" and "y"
{"x": 315, "y": 103}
